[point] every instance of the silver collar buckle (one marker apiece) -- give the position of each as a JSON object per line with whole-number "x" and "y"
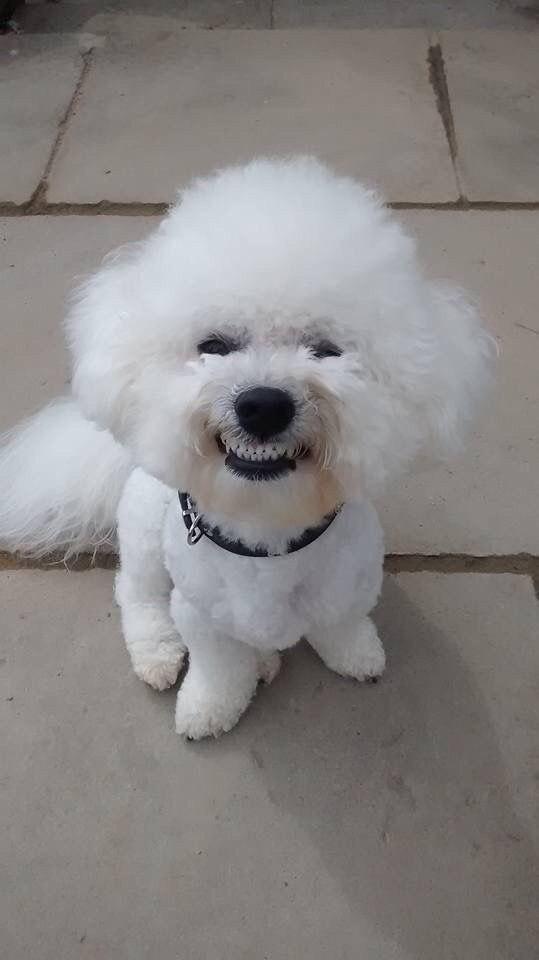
{"x": 194, "y": 531}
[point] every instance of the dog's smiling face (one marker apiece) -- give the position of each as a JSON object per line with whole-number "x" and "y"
{"x": 265, "y": 418}
{"x": 273, "y": 347}
{"x": 262, "y": 429}
{"x": 270, "y": 414}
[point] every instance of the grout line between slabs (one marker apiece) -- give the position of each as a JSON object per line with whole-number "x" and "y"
{"x": 523, "y": 564}
{"x": 114, "y": 208}
{"x": 111, "y": 208}
{"x": 463, "y": 205}
{"x": 38, "y": 200}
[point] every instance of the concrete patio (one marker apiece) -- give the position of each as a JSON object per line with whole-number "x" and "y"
{"x": 337, "y": 822}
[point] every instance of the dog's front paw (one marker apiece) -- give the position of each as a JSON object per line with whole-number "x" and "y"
{"x": 208, "y": 712}
{"x": 364, "y": 658}
{"x": 358, "y": 654}
{"x": 269, "y": 665}
{"x": 370, "y": 663}
{"x": 160, "y": 670}
{"x": 159, "y": 675}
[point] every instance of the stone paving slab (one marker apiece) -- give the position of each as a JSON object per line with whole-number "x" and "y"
{"x": 137, "y": 18}
{"x": 154, "y": 114}
{"x": 485, "y": 501}
{"x": 493, "y": 79}
{"x": 38, "y": 76}
{"x": 40, "y": 261}
{"x": 413, "y": 13}
{"x": 390, "y": 821}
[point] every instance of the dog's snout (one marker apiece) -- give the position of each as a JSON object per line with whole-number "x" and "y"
{"x": 264, "y": 411}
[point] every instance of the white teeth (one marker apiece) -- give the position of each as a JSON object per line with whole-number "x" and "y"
{"x": 263, "y": 452}
{"x": 260, "y": 453}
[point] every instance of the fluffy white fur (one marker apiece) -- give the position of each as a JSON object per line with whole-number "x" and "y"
{"x": 276, "y": 255}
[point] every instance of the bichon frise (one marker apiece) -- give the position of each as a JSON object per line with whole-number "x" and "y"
{"x": 243, "y": 380}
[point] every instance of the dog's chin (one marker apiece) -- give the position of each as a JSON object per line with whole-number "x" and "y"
{"x": 279, "y": 492}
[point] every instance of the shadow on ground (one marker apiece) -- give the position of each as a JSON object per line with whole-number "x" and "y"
{"x": 336, "y": 821}
{"x": 402, "y": 788}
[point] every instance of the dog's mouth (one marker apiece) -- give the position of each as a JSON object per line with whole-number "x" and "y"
{"x": 262, "y": 461}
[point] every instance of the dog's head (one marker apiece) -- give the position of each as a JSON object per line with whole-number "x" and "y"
{"x": 273, "y": 347}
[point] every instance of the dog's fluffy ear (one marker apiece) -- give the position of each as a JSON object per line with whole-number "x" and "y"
{"x": 461, "y": 366}
{"x": 101, "y": 312}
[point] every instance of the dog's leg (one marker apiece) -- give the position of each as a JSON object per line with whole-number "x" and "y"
{"x": 221, "y": 680}
{"x": 143, "y": 585}
{"x": 351, "y": 648}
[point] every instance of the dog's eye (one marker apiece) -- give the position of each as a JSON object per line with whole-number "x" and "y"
{"x": 325, "y": 348}
{"x": 219, "y": 346}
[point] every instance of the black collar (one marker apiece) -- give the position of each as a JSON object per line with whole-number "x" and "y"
{"x": 197, "y": 528}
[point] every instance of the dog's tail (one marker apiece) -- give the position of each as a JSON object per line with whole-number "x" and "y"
{"x": 60, "y": 482}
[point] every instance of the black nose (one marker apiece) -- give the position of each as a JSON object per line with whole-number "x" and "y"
{"x": 264, "y": 411}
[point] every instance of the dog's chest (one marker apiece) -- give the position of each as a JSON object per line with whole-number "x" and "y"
{"x": 272, "y": 601}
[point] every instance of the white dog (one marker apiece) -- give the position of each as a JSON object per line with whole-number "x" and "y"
{"x": 273, "y": 353}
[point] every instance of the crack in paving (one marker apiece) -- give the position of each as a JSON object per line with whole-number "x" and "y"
{"x": 39, "y": 196}
{"x": 438, "y": 81}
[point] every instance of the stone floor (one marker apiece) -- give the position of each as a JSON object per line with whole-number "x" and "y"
{"x": 394, "y": 822}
